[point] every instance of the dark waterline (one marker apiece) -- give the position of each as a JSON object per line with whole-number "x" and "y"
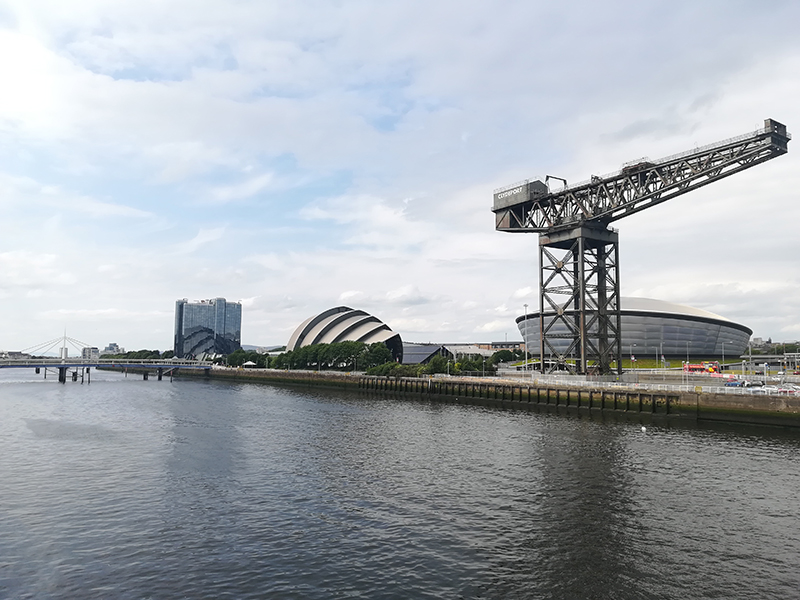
{"x": 193, "y": 489}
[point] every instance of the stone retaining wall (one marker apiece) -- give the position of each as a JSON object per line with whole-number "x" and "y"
{"x": 696, "y": 406}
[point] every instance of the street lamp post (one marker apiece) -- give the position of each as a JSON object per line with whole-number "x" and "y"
{"x": 783, "y": 358}
{"x": 525, "y": 339}
{"x": 723, "y": 355}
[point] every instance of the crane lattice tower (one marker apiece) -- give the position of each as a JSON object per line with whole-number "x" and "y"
{"x": 579, "y": 250}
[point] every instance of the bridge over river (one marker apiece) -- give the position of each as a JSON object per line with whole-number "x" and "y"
{"x": 80, "y": 367}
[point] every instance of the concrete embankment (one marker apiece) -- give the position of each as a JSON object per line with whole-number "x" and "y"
{"x": 640, "y": 404}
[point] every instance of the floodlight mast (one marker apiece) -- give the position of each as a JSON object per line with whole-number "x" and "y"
{"x": 578, "y": 251}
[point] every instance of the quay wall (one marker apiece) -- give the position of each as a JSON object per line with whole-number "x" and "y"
{"x": 631, "y": 402}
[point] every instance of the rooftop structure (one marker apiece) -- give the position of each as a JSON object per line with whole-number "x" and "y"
{"x": 421, "y": 354}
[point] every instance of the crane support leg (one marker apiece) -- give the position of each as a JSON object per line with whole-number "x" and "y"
{"x": 579, "y": 320}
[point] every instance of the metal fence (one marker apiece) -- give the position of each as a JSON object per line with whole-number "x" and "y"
{"x": 579, "y": 381}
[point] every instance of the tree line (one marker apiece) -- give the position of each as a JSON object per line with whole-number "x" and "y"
{"x": 142, "y": 355}
{"x": 375, "y": 359}
{"x": 348, "y": 356}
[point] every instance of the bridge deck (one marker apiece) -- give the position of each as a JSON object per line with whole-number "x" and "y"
{"x": 73, "y": 363}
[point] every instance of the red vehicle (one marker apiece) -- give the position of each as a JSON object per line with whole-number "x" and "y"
{"x": 704, "y": 367}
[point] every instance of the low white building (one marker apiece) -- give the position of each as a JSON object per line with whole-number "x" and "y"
{"x": 90, "y": 353}
{"x": 113, "y": 348}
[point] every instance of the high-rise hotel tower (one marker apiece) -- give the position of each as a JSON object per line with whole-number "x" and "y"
{"x": 207, "y": 327}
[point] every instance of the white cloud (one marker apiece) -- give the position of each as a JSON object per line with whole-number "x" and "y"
{"x": 526, "y": 293}
{"x": 495, "y": 326}
{"x": 62, "y": 314}
{"x": 365, "y": 144}
{"x": 28, "y": 194}
{"x": 30, "y": 271}
{"x": 406, "y": 295}
{"x": 246, "y": 189}
{"x": 351, "y": 296}
{"x": 203, "y": 237}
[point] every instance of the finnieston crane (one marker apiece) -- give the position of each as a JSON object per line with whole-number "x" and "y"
{"x": 579, "y": 251}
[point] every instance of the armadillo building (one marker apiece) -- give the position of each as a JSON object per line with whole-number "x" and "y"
{"x": 344, "y": 324}
{"x": 654, "y": 327}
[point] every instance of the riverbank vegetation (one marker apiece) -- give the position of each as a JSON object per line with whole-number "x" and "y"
{"x": 341, "y": 356}
{"x": 464, "y": 365}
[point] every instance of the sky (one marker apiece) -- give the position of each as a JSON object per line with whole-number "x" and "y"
{"x": 297, "y": 156}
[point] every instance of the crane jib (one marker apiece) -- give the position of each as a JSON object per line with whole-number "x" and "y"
{"x": 531, "y": 206}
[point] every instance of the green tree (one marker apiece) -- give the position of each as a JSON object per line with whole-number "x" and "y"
{"x": 502, "y": 356}
{"x": 321, "y": 356}
{"x": 236, "y": 358}
{"x": 438, "y": 364}
{"x": 377, "y": 354}
{"x": 394, "y": 369}
{"x": 279, "y": 362}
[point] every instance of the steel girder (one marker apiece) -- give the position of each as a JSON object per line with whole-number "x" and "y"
{"x": 580, "y": 301}
{"x": 531, "y": 207}
{"x": 579, "y": 270}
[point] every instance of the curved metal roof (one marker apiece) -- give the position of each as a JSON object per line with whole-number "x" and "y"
{"x": 340, "y": 324}
{"x": 650, "y": 314}
{"x": 651, "y": 305}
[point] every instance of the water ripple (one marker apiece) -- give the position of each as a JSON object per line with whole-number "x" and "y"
{"x": 132, "y": 489}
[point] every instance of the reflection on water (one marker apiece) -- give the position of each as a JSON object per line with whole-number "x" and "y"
{"x": 133, "y": 489}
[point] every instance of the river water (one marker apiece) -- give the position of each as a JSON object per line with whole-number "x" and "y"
{"x": 199, "y": 489}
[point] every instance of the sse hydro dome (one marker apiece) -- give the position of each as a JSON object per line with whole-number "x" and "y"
{"x": 654, "y": 327}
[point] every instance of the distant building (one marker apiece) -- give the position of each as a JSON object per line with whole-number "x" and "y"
{"x": 13, "y": 355}
{"x": 90, "y": 353}
{"x": 459, "y": 350}
{"x": 113, "y": 348}
{"x": 207, "y": 327}
{"x": 653, "y": 328}
{"x": 421, "y": 354}
{"x": 506, "y": 345}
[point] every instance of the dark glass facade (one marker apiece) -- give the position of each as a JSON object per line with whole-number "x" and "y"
{"x": 207, "y": 327}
